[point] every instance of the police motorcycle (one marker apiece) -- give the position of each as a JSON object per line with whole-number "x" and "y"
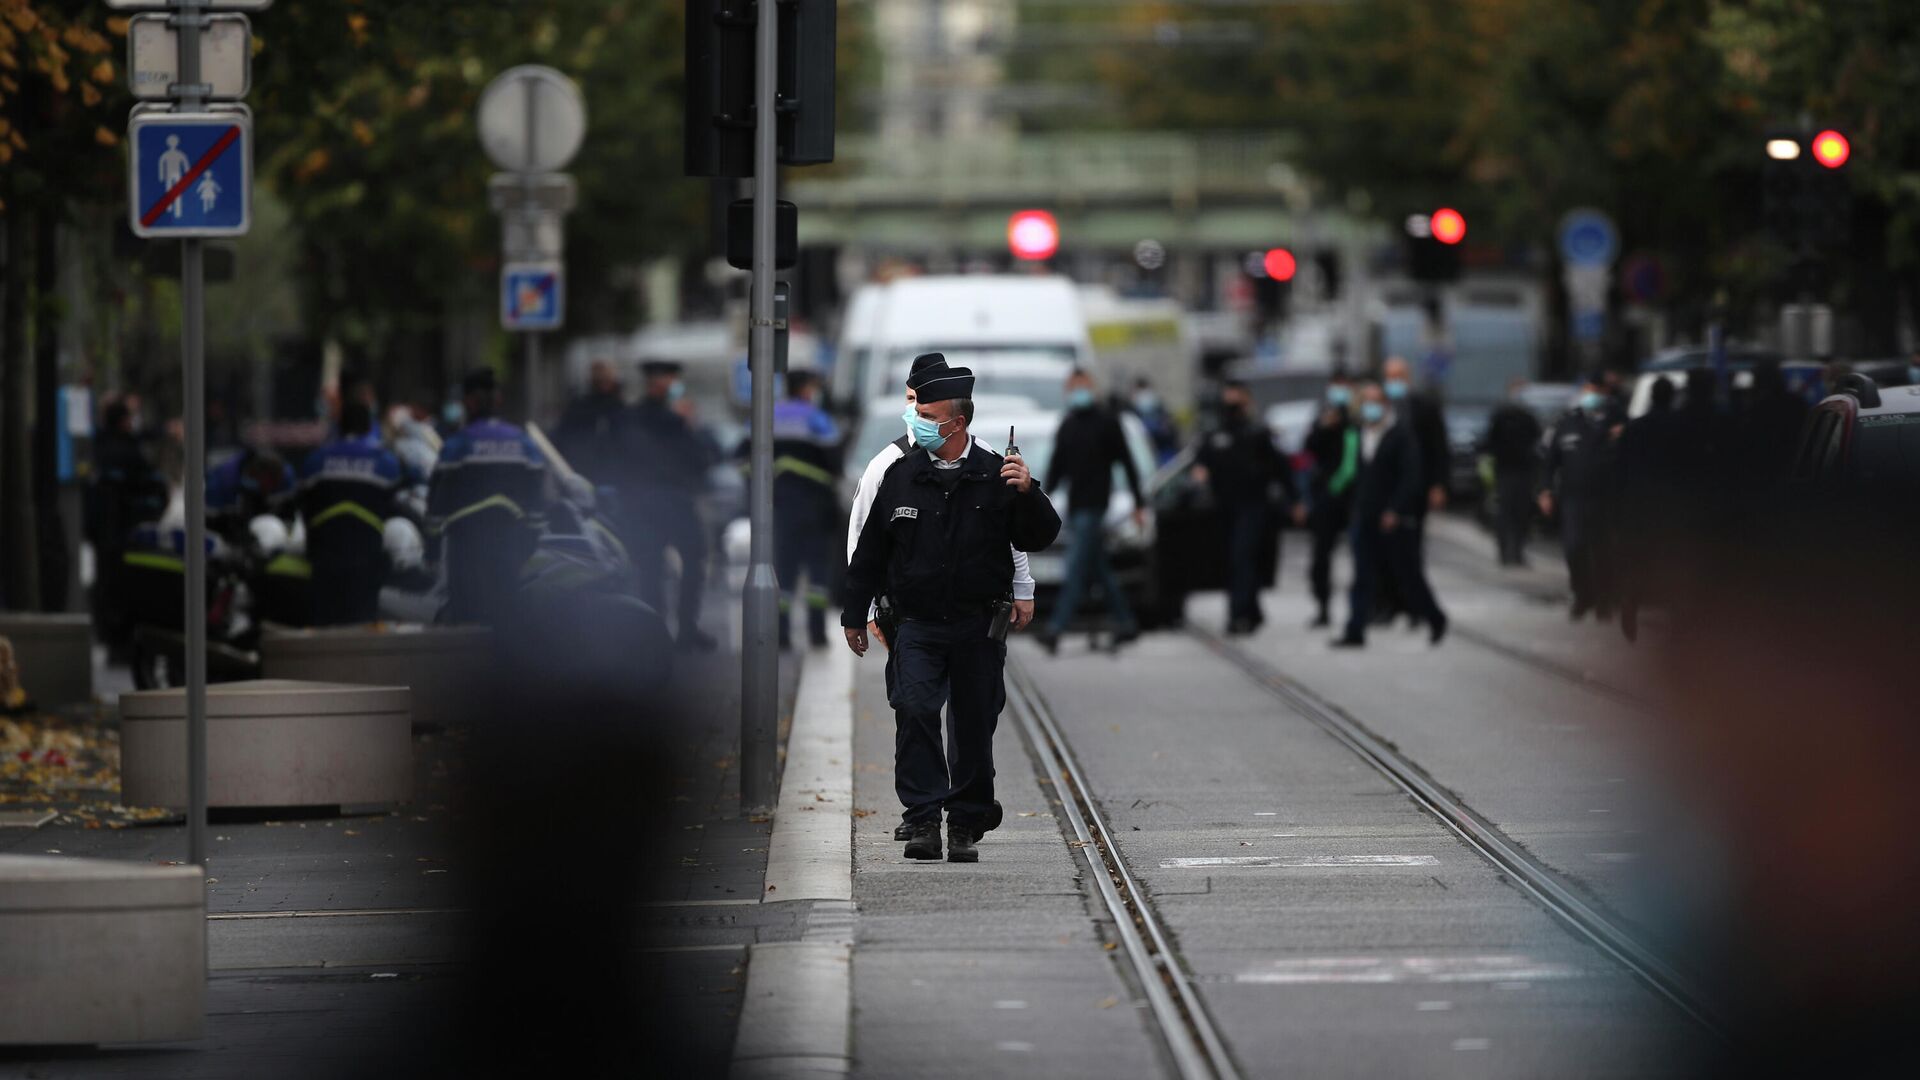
{"x": 249, "y": 579}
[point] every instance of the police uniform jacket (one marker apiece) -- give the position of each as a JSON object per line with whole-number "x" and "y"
{"x": 806, "y": 458}
{"x": 1579, "y": 461}
{"x": 941, "y": 551}
{"x": 489, "y": 472}
{"x": 666, "y": 457}
{"x": 346, "y": 495}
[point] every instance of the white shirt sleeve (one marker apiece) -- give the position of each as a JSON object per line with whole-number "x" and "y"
{"x": 1022, "y": 576}
{"x": 863, "y": 496}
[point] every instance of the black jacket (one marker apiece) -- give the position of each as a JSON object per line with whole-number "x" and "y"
{"x": 1422, "y": 414}
{"x": 1513, "y": 439}
{"x": 1241, "y": 461}
{"x": 1088, "y": 445}
{"x": 1392, "y": 480}
{"x": 1580, "y": 459}
{"x": 590, "y": 435}
{"x": 663, "y": 455}
{"x": 943, "y": 555}
{"x": 1327, "y": 445}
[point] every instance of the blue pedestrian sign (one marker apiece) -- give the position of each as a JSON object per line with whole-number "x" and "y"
{"x": 532, "y": 296}
{"x": 1588, "y": 238}
{"x": 191, "y": 173}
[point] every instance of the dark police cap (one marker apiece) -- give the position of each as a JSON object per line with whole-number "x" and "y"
{"x": 651, "y": 368}
{"x": 944, "y": 384}
{"x": 479, "y": 381}
{"x": 926, "y": 360}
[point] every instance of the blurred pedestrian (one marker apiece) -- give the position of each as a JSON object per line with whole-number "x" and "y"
{"x": 589, "y": 433}
{"x": 806, "y": 452}
{"x": 1513, "y": 441}
{"x": 346, "y": 496}
{"x": 1768, "y": 430}
{"x": 1388, "y": 497}
{"x": 1421, "y": 412}
{"x": 1334, "y": 447}
{"x": 944, "y": 562}
{"x": 1578, "y": 486}
{"x": 1159, "y": 424}
{"x": 666, "y": 472}
{"x": 487, "y": 501}
{"x": 125, "y": 490}
{"x": 1248, "y": 476}
{"x": 1652, "y": 510}
{"x": 1086, "y": 448}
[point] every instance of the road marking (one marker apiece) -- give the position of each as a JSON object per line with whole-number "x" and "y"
{"x": 1434, "y": 1006}
{"x": 1614, "y": 856}
{"x": 1513, "y": 984}
{"x": 1014, "y": 1047}
{"x": 1472, "y": 1044}
{"x": 1009, "y": 1004}
{"x": 1299, "y": 861}
{"x": 1265, "y": 813}
{"x": 1497, "y": 969}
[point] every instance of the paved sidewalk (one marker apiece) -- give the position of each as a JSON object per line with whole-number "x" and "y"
{"x": 344, "y": 944}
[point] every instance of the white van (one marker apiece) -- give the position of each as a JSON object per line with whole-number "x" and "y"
{"x": 1019, "y": 333}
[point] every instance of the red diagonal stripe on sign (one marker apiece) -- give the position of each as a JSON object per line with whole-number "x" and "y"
{"x": 206, "y": 161}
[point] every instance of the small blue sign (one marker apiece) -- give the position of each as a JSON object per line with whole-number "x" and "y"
{"x": 1588, "y": 238}
{"x": 532, "y": 296}
{"x": 191, "y": 173}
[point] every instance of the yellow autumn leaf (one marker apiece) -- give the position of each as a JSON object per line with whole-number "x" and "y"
{"x": 6, "y": 153}
{"x": 24, "y": 19}
{"x": 89, "y": 96}
{"x": 105, "y": 137}
{"x": 362, "y": 133}
{"x": 102, "y": 72}
{"x": 117, "y": 25}
{"x": 357, "y": 25}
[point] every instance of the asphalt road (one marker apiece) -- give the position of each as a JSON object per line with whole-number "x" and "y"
{"x": 1332, "y": 926}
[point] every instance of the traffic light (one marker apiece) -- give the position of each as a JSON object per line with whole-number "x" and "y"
{"x": 1271, "y": 273}
{"x": 1806, "y": 195}
{"x": 1433, "y": 245}
{"x": 1033, "y": 235}
{"x": 720, "y": 84}
{"x": 1279, "y": 264}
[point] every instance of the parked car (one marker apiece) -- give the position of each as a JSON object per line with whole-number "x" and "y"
{"x": 1862, "y": 435}
{"x": 1803, "y": 377}
{"x": 1466, "y": 433}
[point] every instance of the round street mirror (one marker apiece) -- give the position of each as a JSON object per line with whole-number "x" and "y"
{"x": 532, "y": 119}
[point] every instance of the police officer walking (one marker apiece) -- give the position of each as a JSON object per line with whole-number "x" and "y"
{"x": 1334, "y": 446}
{"x": 806, "y": 451}
{"x": 589, "y": 433}
{"x": 488, "y": 504}
{"x": 667, "y": 463}
{"x": 1388, "y": 497}
{"x": 1088, "y": 444}
{"x": 346, "y": 495}
{"x": 1513, "y": 441}
{"x": 1579, "y": 477}
{"x": 938, "y": 541}
{"x": 1240, "y": 463}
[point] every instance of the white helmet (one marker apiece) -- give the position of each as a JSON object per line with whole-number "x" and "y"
{"x": 406, "y": 548}
{"x": 270, "y": 534}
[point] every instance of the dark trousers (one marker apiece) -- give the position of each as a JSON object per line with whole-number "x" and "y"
{"x": 933, "y": 663}
{"x": 660, "y": 523}
{"x": 1087, "y": 563}
{"x": 1327, "y": 525}
{"x": 1584, "y": 536}
{"x": 1513, "y": 513}
{"x": 802, "y": 547}
{"x": 346, "y": 587}
{"x": 1389, "y": 556}
{"x": 1246, "y": 525}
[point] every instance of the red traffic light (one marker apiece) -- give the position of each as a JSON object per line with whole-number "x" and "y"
{"x": 1447, "y": 226}
{"x": 1033, "y": 235}
{"x": 1279, "y": 264}
{"x": 1830, "y": 148}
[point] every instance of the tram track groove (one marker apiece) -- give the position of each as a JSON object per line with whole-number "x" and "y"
{"x": 1192, "y": 1042}
{"x": 1587, "y": 919}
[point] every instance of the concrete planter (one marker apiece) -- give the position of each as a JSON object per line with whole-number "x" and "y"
{"x": 445, "y": 666}
{"x": 55, "y": 653}
{"x": 100, "y": 951}
{"x": 271, "y": 742}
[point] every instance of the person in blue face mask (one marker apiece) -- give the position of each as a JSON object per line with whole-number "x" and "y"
{"x": 667, "y": 464}
{"x": 1579, "y": 480}
{"x": 1087, "y": 447}
{"x": 1387, "y": 499}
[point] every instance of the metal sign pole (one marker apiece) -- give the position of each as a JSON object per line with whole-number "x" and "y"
{"x": 532, "y": 348}
{"x": 759, "y": 699}
{"x": 193, "y": 356}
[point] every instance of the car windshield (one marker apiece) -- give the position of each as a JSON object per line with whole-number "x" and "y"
{"x": 1037, "y": 373}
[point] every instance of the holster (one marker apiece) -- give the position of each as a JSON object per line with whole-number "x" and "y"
{"x": 885, "y": 618}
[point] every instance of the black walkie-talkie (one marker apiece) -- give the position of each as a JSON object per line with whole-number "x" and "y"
{"x": 1012, "y": 450}
{"x": 1002, "y": 619}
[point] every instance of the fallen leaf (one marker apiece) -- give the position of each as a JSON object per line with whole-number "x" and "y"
{"x": 353, "y": 832}
{"x": 1108, "y": 1003}
{"x": 1029, "y": 813}
{"x": 1110, "y": 946}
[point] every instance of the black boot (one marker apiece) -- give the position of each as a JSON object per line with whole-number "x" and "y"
{"x": 925, "y": 841}
{"x": 960, "y": 841}
{"x": 903, "y": 832}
